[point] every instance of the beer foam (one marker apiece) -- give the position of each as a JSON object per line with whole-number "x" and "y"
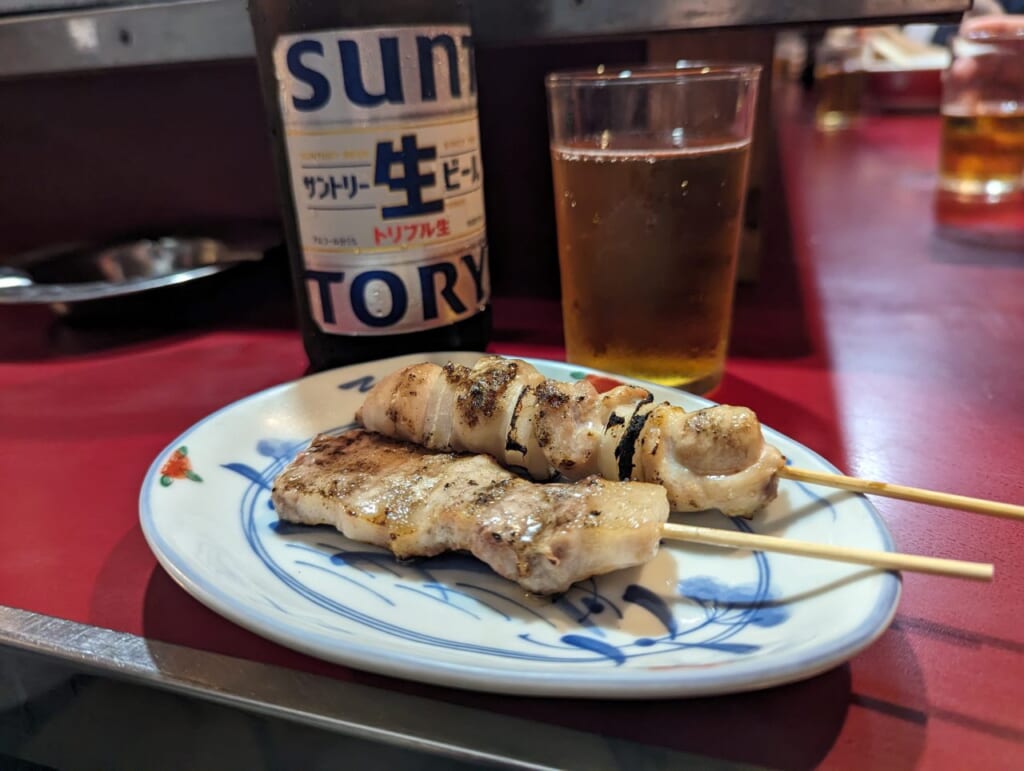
{"x": 652, "y": 155}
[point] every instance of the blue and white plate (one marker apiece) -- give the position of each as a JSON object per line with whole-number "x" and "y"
{"x": 695, "y": 620}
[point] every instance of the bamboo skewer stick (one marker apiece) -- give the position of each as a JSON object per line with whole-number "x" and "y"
{"x": 948, "y": 500}
{"x": 977, "y": 571}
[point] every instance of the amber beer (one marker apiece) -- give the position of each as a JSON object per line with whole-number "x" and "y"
{"x": 650, "y": 171}
{"x": 982, "y": 153}
{"x": 980, "y": 195}
{"x": 647, "y": 243}
{"x": 840, "y": 92}
{"x": 838, "y": 80}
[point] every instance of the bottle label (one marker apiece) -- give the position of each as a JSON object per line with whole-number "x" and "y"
{"x": 384, "y": 157}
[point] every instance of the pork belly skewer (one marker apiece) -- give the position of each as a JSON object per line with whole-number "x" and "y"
{"x": 715, "y": 458}
{"x": 545, "y": 537}
{"x": 419, "y": 503}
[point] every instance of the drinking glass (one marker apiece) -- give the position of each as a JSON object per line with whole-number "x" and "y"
{"x": 983, "y": 117}
{"x": 839, "y": 80}
{"x": 650, "y": 177}
{"x": 981, "y": 160}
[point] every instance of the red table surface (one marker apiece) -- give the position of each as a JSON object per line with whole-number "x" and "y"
{"x": 890, "y": 351}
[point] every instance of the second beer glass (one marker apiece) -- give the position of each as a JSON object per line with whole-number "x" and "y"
{"x": 981, "y": 169}
{"x": 650, "y": 176}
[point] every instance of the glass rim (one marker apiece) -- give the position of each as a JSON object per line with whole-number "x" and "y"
{"x": 966, "y": 46}
{"x": 682, "y": 71}
{"x": 1000, "y": 35}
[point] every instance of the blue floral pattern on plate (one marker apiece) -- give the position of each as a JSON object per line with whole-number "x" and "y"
{"x": 694, "y": 620}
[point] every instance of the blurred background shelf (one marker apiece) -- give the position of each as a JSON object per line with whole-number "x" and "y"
{"x": 51, "y": 36}
{"x": 146, "y": 120}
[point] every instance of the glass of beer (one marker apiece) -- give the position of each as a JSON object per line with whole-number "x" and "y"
{"x": 981, "y": 164}
{"x": 839, "y": 81}
{"x": 983, "y": 116}
{"x": 650, "y": 176}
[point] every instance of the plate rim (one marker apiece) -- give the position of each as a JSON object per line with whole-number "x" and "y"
{"x": 584, "y": 684}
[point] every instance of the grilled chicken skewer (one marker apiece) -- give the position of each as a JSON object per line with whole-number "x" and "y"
{"x": 546, "y": 537}
{"x": 419, "y": 503}
{"x": 714, "y": 458}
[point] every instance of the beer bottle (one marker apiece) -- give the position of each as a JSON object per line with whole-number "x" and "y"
{"x": 373, "y": 112}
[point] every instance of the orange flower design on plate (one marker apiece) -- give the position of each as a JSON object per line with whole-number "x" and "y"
{"x": 178, "y": 466}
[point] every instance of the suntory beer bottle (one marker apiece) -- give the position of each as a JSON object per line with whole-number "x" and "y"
{"x": 373, "y": 112}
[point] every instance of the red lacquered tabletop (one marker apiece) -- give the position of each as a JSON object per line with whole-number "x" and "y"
{"x": 892, "y": 352}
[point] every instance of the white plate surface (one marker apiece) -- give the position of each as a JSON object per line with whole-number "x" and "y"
{"x": 695, "y": 620}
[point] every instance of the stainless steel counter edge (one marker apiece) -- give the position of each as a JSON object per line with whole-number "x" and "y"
{"x": 374, "y": 714}
{"x": 208, "y": 30}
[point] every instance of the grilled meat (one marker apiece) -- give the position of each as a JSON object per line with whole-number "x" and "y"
{"x": 420, "y": 503}
{"x": 714, "y": 458}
